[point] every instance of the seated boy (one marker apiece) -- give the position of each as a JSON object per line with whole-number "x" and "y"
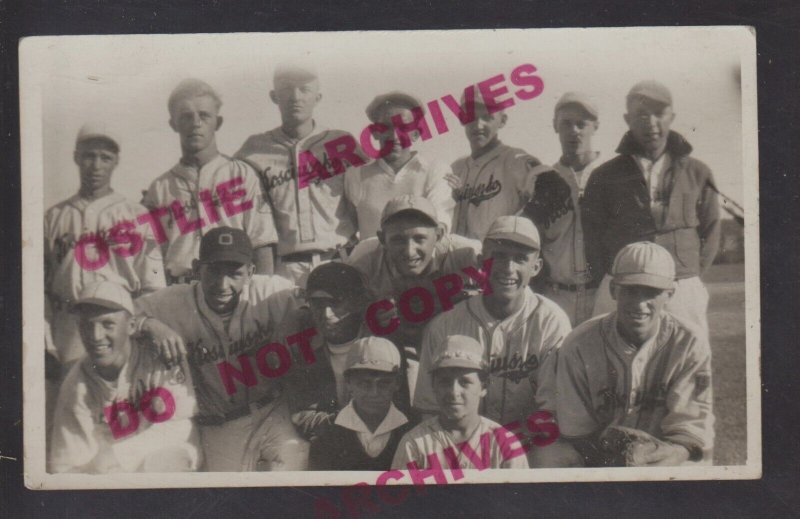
{"x": 459, "y": 378}
{"x": 366, "y": 431}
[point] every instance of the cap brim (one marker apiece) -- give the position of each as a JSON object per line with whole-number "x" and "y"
{"x": 99, "y": 137}
{"x": 457, "y": 363}
{"x": 516, "y": 238}
{"x": 104, "y": 303}
{"x": 228, "y": 256}
{"x": 411, "y": 210}
{"x": 383, "y": 367}
{"x": 648, "y": 280}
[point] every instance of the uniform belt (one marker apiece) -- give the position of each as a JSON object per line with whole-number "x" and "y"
{"x": 573, "y": 288}
{"x": 220, "y": 419}
{"x": 179, "y": 280}
{"x": 309, "y": 256}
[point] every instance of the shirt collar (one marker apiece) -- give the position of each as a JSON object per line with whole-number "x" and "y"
{"x": 349, "y": 419}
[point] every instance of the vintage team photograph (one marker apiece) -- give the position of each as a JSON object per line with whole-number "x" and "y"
{"x": 424, "y": 257}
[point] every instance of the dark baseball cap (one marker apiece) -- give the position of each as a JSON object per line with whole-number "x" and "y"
{"x": 336, "y": 280}
{"x": 226, "y": 244}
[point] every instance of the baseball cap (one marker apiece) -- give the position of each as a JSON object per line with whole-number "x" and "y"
{"x": 97, "y": 130}
{"x": 373, "y": 353}
{"x": 226, "y": 244}
{"x": 651, "y": 89}
{"x": 294, "y": 73}
{"x": 415, "y": 203}
{"x": 515, "y": 228}
{"x": 644, "y": 263}
{"x": 577, "y": 98}
{"x": 106, "y": 294}
{"x": 460, "y": 351}
{"x": 395, "y": 98}
{"x": 336, "y": 280}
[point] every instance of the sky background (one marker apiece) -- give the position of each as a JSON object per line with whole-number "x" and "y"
{"x": 126, "y": 80}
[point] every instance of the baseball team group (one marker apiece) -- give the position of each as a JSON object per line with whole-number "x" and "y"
{"x": 391, "y": 316}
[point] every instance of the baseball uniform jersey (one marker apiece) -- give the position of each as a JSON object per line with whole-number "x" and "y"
{"x": 83, "y": 440}
{"x": 662, "y": 388}
{"x": 184, "y": 183}
{"x": 370, "y": 187}
{"x": 430, "y": 438}
{"x": 67, "y": 224}
{"x": 498, "y": 183}
{"x": 317, "y": 217}
{"x": 520, "y": 351}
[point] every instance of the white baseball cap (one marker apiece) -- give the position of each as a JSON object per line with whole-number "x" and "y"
{"x": 106, "y": 294}
{"x": 515, "y": 228}
{"x": 97, "y": 130}
{"x": 460, "y": 351}
{"x": 644, "y": 263}
{"x": 373, "y": 353}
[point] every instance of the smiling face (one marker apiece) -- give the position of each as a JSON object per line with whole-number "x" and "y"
{"x": 458, "y": 392}
{"x": 196, "y": 120}
{"x": 575, "y": 128}
{"x": 296, "y": 100}
{"x": 372, "y": 391}
{"x": 513, "y": 266}
{"x": 410, "y": 239}
{"x": 398, "y": 154}
{"x": 96, "y": 160}
{"x": 639, "y": 309}
{"x": 222, "y": 283}
{"x": 649, "y": 122}
{"x": 106, "y": 337}
{"x": 483, "y": 130}
{"x": 338, "y": 319}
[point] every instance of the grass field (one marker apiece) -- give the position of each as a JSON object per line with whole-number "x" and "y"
{"x": 727, "y": 325}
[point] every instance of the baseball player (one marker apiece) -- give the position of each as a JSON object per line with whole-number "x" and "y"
{"x": 555, "y": 209}
{"x": 520, "y": 331}
{"x": 411, "y": 250}
{"x": 401, "y": 171}
{"x": 495, "y": 180}
{"x": 366, "y": 432}
{"x": 120, "y": 409}
{"x": 218, "y": 323}
{"x": 337, "y": 296}
{"x": 314, "y": 220}
{"x": 459, "y": 378}
{"x": 204, "y": 176}
{"x": 638, "y": 367}
{"x": 87, "y": 238}
{"x": 653, "y": 190}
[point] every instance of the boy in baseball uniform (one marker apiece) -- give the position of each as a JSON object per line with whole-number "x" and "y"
{"x": 365, "y": 434}
{"x": 638, "y": 367}
{"x": 399, "y": 172}
{"x": 518, "y": 330}
{"x": 412, "y": 249}
{"x": 459, "y": 378}
{"x": 218, "y": 323}
{"x": 314, "y": 220}
{"x": 88, "y": 238}
{"x": 201, "y": 178}
{"x": 555, "y": 209}
{"x": 655, "y": 191}
{"x": 120, "y": 409}
{"x": 494, "y": 180}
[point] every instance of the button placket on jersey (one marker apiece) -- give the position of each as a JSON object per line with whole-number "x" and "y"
{"x": 305, "y": 223}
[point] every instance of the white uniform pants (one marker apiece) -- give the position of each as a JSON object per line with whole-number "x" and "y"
{"x": 689, "y": 303}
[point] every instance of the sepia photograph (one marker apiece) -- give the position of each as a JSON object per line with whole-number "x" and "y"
{"x": 390, "y": 258}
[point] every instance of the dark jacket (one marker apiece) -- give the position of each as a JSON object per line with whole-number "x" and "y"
{"x": 338, "y": 448}
{"x": 616, "y": 210}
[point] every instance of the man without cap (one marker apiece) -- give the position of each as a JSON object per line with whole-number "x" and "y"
{"x": 219, "y": 323}
{"x": 202, "y": 177}
{"x": 459, "y": 379}
{"x": 411, "y": 251}
{"x": 519, "y": 330}
{"x": 85, "y": 229}
{"x": 555, "y": 209}
{"x": 398, "y": 172}
{"x": 494, "y": 180}
{"x": 637, "y": 367}
{"x": 337, "y": 296}
{"x": 314, "y": 219}
{"x": 366, "y": 432}
{"x": 120, "y": 409}
{"x": 653, "y": 190}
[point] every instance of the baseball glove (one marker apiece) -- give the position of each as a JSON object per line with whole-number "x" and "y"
{"x": 627, "y": 447}
{"x": 551, "y": 200}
